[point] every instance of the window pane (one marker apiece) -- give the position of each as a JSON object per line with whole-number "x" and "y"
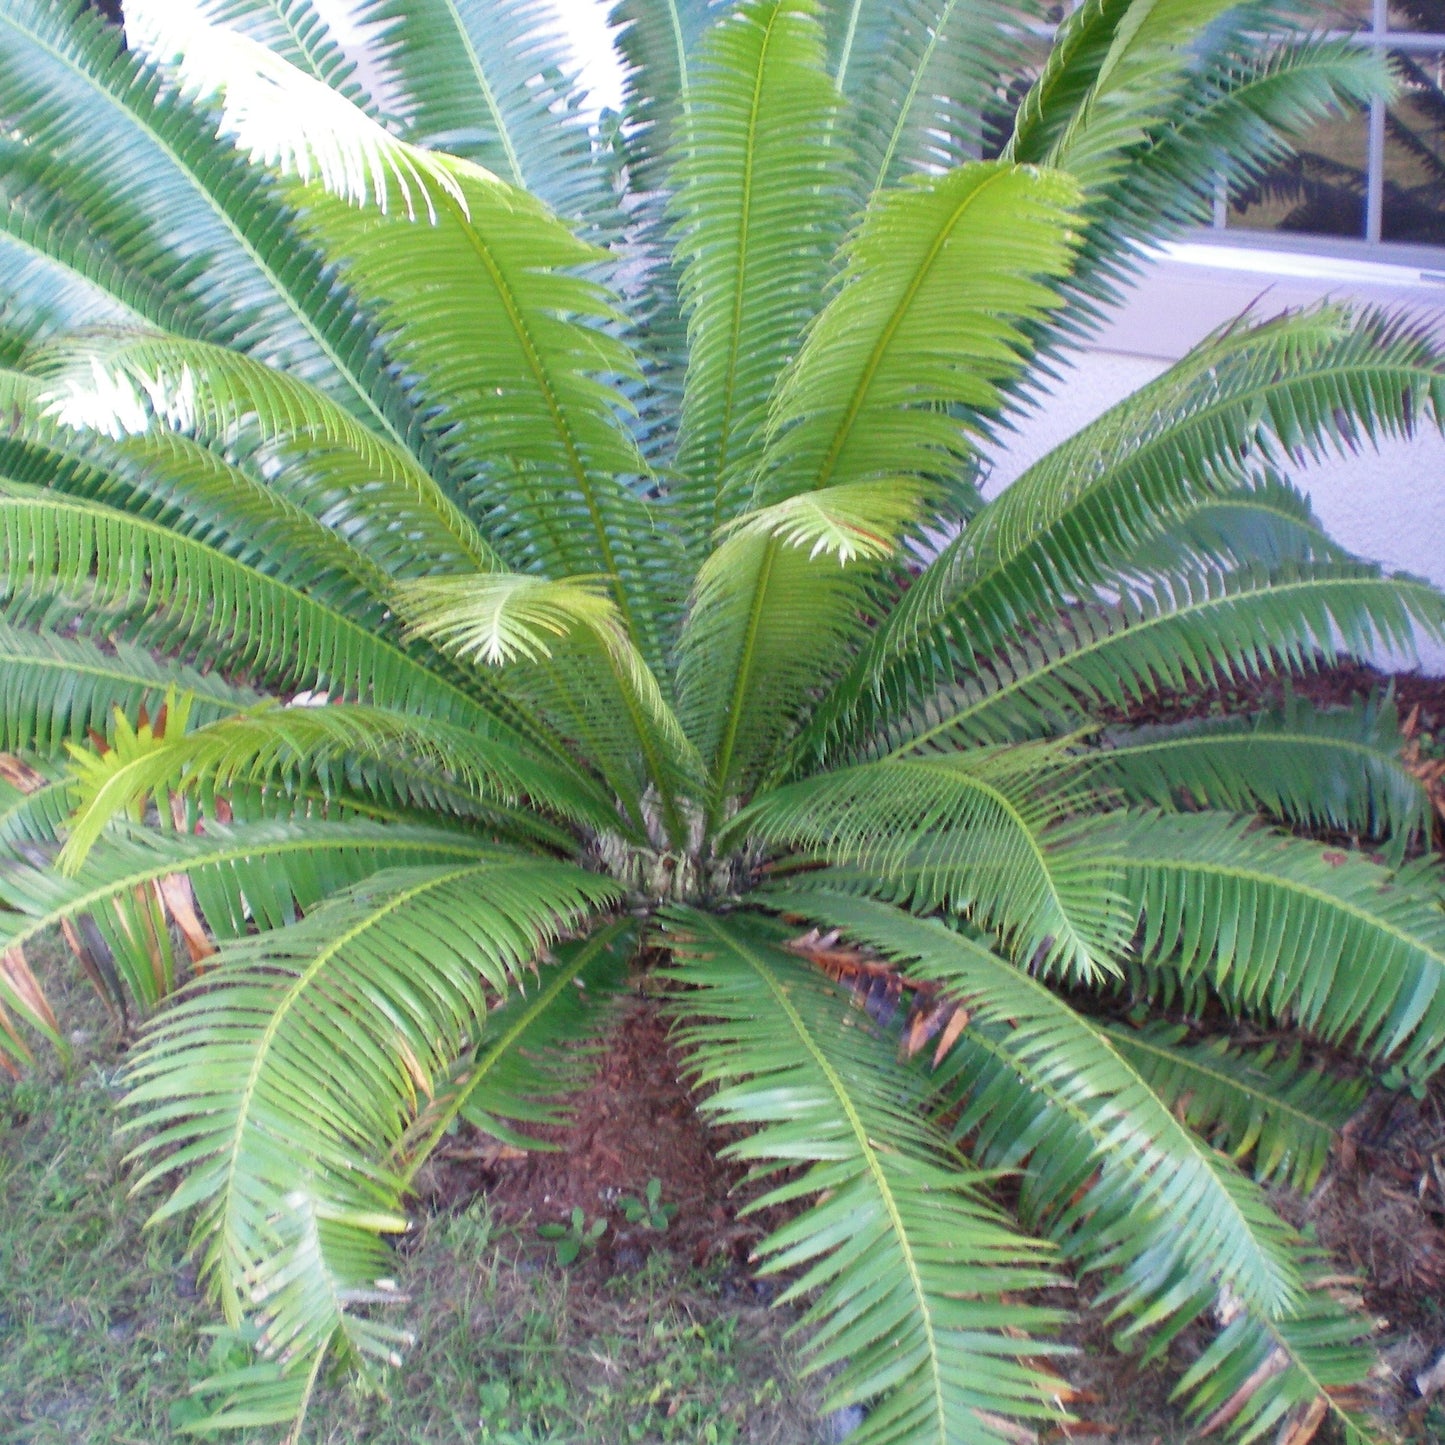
{"x": 1418, "y": 15}
{"x": 1345, "y": 15}
{"x": 1414, "y": 201}
{"x": 1320, "y": 191}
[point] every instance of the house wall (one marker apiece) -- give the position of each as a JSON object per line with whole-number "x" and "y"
{"x": 1386, "y": 505}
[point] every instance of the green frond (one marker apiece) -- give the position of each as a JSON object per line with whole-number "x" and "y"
{"x": 918, "y": 75}
{"x": 257, "y": 874}
{"x": 1346, "y": 949}
{"x": 535, "y": 1048}
{"x": 767, "y": 1036}
{"x": 907, "y": 336}
{"x": 936, "y": 282}
{"x": 492, "y": 81}
{"x": 166, "y": 203}
{"x": 767, "y": 623}
{"x": 973, "y": 833}
{"x": 1114, "y": 72}
{"x": 290, "y": 745}
{"x": 138, "y": 579}
{"x": 279, "y": 1086}
{"x": 1262, "y": 1104}
{"x": 1263, "y": 1375}
{"x": 1094, "y": 1214}
{"x": 313, "y": 452}
{"x": 1341, "y": 770}
{"x": 1102, "y": 502}
{"x": 656, "y": 41}
{"x": 296, "y": 31}
{"x": 757, "y": 197}
{"x": 1219, "y": 1229}
{"x": 56, "y": 689}
{"x": 35, "y": 815}
{"x": 1185, "y": 631}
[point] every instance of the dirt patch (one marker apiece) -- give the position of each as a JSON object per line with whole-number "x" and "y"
{"x": 634, "y": 1123}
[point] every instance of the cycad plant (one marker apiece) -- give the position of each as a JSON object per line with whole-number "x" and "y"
{"x": 449, "y": 548}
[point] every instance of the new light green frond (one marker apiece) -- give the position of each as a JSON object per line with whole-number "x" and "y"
{"x": 926, "y": 318}
{"x": 920, "y": 1323}
{"x": 1339, "y": 770}
{"x": 1219, "y": 1229}
{"x": 294, "y": 744}
{"x": 365, "y": 487}
{"x": 1263, "y": 1104}
{"x": 1344, "y": 947}
{"x": 972, "y": 833}
{"x": 568, "y": 658}
{"x": 854, "y": 521}
{"x": 1183, "y": 633}
{"x": 496, "y": 619}
{"x": 279, "y": 1086}
{"x": 757, "y": 195}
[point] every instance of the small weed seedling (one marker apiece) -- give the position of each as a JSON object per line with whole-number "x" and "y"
{"x": 569, "y": 1240}
{"x": 650, "y": 1211}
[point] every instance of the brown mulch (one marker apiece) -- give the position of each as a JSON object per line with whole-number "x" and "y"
{"x": 635, "y": 1122}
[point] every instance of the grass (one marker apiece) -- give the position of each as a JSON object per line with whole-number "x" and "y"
{"x": 102, "y": 1330}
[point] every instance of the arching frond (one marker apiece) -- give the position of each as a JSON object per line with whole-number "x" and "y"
{"x": 1346, "y": 948}
{"x": 167, "y": 202}
{"x": 261, "y": 1090}
{"x": 972, "y": 833}
{"x": 1092, "y": 509}
{"x": 1219, "y": 1227}
{"x": 1340, "y": 770}
{"x": 758, "y": 201}
{"x": 139, "y": 579}
{"x": 534, "y": 1050}
{"x": 1186, "y": 632}
{"x": 765, "y": 1033}
{"x": 1263, "y": 1104}
{"x": 302, "y": 741}
{"x": 371, "y": 491}
{"x": 56, "y": 689}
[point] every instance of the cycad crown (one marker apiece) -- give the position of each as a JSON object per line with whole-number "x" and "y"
{"x": 445, "y": 551}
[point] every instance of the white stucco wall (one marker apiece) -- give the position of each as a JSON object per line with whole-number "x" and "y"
{"x": 1388, "y": 506}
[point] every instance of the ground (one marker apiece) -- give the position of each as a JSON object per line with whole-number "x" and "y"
{"x": 656, "y": 1332}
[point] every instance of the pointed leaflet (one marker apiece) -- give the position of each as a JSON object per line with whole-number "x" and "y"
{"x": 1346, "y": 948}
{"x": 925, "y": 323}
{"x": 1220, "y": 1229}
{"x": 908, "y": 1324}
{"x": 279, "y": 1087}
{"x": 757, "y": 199}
